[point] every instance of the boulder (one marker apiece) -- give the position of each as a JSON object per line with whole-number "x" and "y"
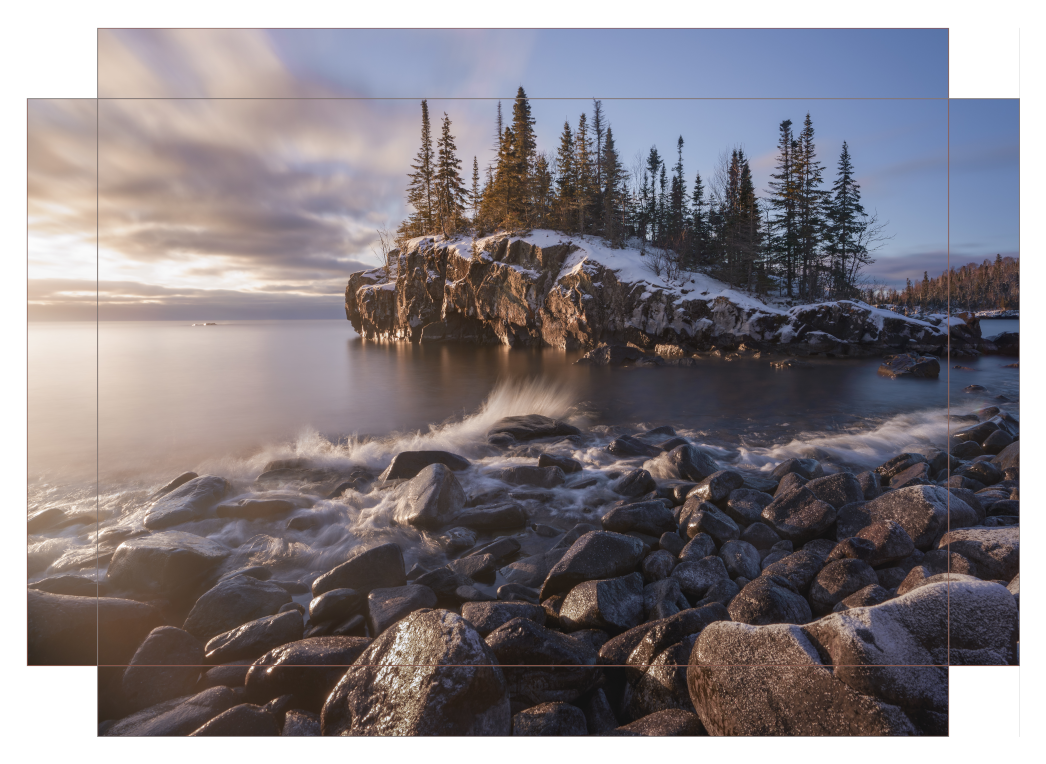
{"x": 530, "y": 427}
{"x": 760, "y": 535}
{"x": 769, "y": 599}
{"x": 890, "y": 541}
{"x": 741, "y": 559}
{"x": 658, "y": 565}
{"x": 301, "y": 724}
{"x": 79, "y": 586}
{"x": 408, "y": 464}
{"x": 186, "y": 503}
{"x": 335, "y": 605}
{"x": 378, "y": 567}
{"x": 837, "y": 581}
{"x": 699, "y": 547}
{"x": 671, "y": 722}
{"x": 718, "y": 486}
{"x": 85, "y": 631}
{"x": 872, "y": 594}
{"x": 231, "y": 604}
{"x": 165, "y": 666}
{"x": 839, "y": 489}
{"x": 244, "y": 720}
{"x": 707, "y": 518}
{"x": 995, "y": 551}
{"x": 388, "y": 606}
{"x": 595, "y": 555}
{"x": 910, "y": 365}
{"x": 556, "y": 719}
{"x": 800, "y": 568}
{"x": 661, "y": 685}
{"x": 798, "y": 515}
{"x": 696, "y": 578}
{"x": 541, "y": 665}
{"x": 565, "y": 463}
{"x": 487, "y": 616}
{"x": 613, "y": 605}
{"x": 254, "y": 639}
{"x": 746, "y": 506}
{"x": 1009, "y": 457}
{"x": 805, "y": 468}
{"x": 634, "y": 483}
{"x": 663, "y": 598}
{"x": 917, "y": 474}
{"x": 650, "y": 517}
{"x": 176, "y": 717}
{"x": 307, "y": 670}
{"x": 254, "y": 509}
{"x": 871, "y": 485}
{"x": 431, "y": 498}
{"x": 686, "y": 462}
{"x": 170, "y": 564}
{"x": 628, "y": 446}
{"x": 922, "y": 511}
{"x": 430, "y": 674}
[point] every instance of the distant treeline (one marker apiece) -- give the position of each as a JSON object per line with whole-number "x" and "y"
{"x": 803, "y": 240}
{"x": 992, "y": 285}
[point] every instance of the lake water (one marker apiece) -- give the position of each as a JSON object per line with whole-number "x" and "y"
{"x": 167, "y": 397}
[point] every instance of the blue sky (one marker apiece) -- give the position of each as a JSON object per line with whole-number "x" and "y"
{"x": 214, "y": 207}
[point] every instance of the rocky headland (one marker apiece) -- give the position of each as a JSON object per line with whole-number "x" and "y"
{"x": 550, "y": 289}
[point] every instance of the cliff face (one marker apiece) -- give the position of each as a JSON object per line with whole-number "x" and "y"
{"x": 549, "y": 289}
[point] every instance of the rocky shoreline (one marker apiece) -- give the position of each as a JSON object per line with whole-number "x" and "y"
{"x": 547, "y": 289}
{"x": 693, "y": 598}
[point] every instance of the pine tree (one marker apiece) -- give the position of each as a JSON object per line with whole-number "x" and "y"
{"x": 678, "y": 211}
{"x": 698, "y": 225}
{"x": 475, "y": 192}
{"x": 543, "y": 192}
{"x": 613, "y": 214}
{"x": 521, "y": 160}
{"x": 420, "y": 189}
{"x": 451, "y": 194}
{"x": 598, "y": 127}
{"x": 653, "y": 164}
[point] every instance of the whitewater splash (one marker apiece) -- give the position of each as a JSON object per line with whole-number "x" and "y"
{"x": 916, "y": 431}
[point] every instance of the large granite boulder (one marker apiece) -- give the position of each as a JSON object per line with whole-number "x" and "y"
{"x": 430, "y": 674}
{"x": 595, "y": 555}
{"x": 995, "y": 551}
{"x": 407, "y": 464}
{"x": 232, "y": 603}
{"x": 374, "y": 568}
{"x": 255, "y": 638}
{"x": 922, "y": 511}
{"x": 170, "y": 564}
{"x": 431, "y": 499}
{"x": 166, "y": 666}
{"x": 685, "y": 462}
{"x": 613, "y": 605}
{"x": 529, "y": 427}
{"x": 307, "y": 670}
{"x": 187, "y": 503}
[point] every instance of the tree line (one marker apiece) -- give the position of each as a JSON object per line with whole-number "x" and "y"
{"x": 802, "y": 239}
{"x": 992, "y": 285}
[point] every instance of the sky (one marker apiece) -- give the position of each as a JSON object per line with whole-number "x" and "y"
{"x": 243, "y": 173}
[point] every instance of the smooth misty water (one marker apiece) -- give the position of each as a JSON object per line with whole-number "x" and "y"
{"x": 226, "y": 399}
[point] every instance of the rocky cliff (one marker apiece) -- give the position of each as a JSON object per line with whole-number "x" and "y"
{"x": 578, "y": 293}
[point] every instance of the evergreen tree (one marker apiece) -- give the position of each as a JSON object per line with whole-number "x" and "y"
{"x": 653, "y": 165}
{"x": 783, "y": 203}
{"x": 584, "y": 173}
{"x": 451, "y": 194}
{"x": 809, "y": 209}
{"x": 613, "y": 195}
{"x": 521, "y": 160}
{"x": 543, "y": 192}
{"x": 846, "y": 225}
{"x": 475, "y": 191}
{"x": 678, "y": 211}
{"x": 420, "y": 189}
{"x": 598, "y": 127}
{"x": 566, "y": 198}
{"x": 698, "y": 225}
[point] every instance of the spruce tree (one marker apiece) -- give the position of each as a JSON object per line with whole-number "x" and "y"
{"x": 613, "y": 214}
{"x": 566, "y": 198}
{"x": 420, "y": 191}
{"x": 783, "y": 194}
{"x": 846, "y": 225}
{"x": 653, "y": 165}
{"x": 698, "y": 225}
{"x": 598, "y": 127}
{"x": 809, "y": 209}
{"x": 451, "y": 194}
{"x": 678, "y": 200}
{"x": 475, "y": 192}
{"x": 584, "y": 173}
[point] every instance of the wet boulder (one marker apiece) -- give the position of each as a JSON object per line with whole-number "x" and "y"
{"x": 890, "y": 541}
{"x": 663, "y": 598}
{"x": 699, "y": 547}
{"x": 910, "y": 365}
{"x": 251, "y": 508}
{"x": 708, "y": 518}
{"x": 839, "y": 489}
{"x": 301, "y": 724}
{"x": 808, "y": 469}
{"x": 388, "y": 606}
{"x": 170, "y": 564}
{"x": 634, "y": 483}
{"x": 254, "y": 639}
{"x": 873, "y": 594}
{"x": 837, "y": 581}
{"x": 661, "y": 685}
{"x": 798, "y": 515}
{"x": 996, "y": 442}
{"x": 800, "y": 568}
{"x": 696, "y": 578}
{"x": 650, "y": 517}
{"x": 995, "y": 551}
{"x": 529, "y": 427}
{"x": 541, "y": 665}
{"x": 686, "y": 462}
{"x": 760, "y": 535}
{"x": 557, "y": 719}
{"x": 377, "y": 567}
{"x": 595, "y": 555}
{"x": 746, "y": 506}
{"x": 565, "y": 463}
{"x": 851, "y": 519}
{"x": 430, "y": 674}
{"x": 408, "y": 464}
{"x": 741, "y": 559}
{"x": 871, "y": 485}
{"x": 769, "y": 599}
{"x": 176, "y": 717}
{"x": 74, "y": 586}
{"x": 244, "y": 720}
{"x": 335, "y": 605}
{"x": 187, "y": 503}
{"x": 983, "y": 472}
{"x": 165, "y": 666}
{"x": 431, "y": 498}
{"x": 538, "y": 477}
{"x": 613, "y": 605}
{"x": 1009, "y": 457}
{"x": 503, "y": 516}
{"x": 487, "y": 616}
{"x": 658, "y": 565}
{"x": 718, "y": 486}
{"x": 231, "y": 604}
{"x": 628, "y": 446}
{"x": 85, "y": 631}
{"x": 43, "y": 519}
{"x": 897, "y": 465}
{"x": 672, "y": 722}
{"x": 722, "y": 592}
{"x": 307, "y": 670}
